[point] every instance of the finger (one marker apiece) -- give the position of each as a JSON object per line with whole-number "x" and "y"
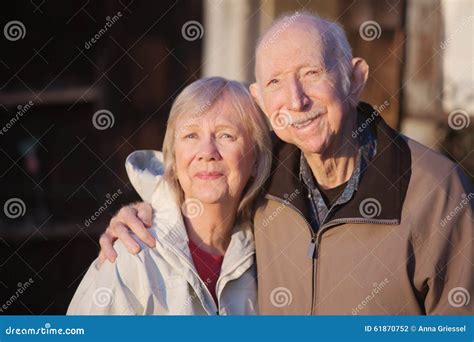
{"x": 129, "y": 219}
{"x": 123, "y": 234}
{"x": 101, "y": 258}
{"x": 106, "y": 247}
{"x": 145, "y": 213}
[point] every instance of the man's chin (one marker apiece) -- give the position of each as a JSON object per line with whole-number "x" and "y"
{"x": 312, "y": 147}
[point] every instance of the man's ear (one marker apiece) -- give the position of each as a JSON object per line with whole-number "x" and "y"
{"x": 256, "y": 95}
{"x": 360, "y": 73}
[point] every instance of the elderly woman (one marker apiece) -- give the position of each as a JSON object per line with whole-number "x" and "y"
{"x": 216, "y": 156}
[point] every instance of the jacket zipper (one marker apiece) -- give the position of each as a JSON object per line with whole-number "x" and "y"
{"x": 191, "y": 267}
{"x": 313, "y": 248}
{"x": 203, "y": 285}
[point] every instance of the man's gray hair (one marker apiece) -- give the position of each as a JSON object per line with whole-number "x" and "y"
{"x": 337, "y": 52}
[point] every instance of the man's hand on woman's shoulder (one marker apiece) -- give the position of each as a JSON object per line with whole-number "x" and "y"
{"x": 136, "y": 218}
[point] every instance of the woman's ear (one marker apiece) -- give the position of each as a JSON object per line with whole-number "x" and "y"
{"x": 360, "y": 73}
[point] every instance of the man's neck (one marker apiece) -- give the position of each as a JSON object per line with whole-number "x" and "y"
{"x": 335, "y": 166}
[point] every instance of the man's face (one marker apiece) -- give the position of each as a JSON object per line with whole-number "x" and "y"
{"x": 298, "y": 91}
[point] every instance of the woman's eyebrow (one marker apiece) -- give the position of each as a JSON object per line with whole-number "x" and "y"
{"x": 231, "y": 127}
{"x": 188, "y": 126}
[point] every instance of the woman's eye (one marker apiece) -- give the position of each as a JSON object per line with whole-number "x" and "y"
{"x": 190, "y": 136}
{"x": 312, "y": 72}
{"x": 227, "y": 136}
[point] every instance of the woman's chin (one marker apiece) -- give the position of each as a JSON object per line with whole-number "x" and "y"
{"x": 207, "y": 197}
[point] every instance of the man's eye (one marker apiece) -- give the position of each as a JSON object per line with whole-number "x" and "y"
{"x": 273, "y": 81}
{"x": 312, "y": 72}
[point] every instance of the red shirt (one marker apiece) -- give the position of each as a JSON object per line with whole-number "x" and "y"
{"x": 208, "y": 267}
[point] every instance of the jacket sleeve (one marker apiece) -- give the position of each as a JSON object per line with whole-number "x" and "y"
{"x": 447, "y": 254}
{"x": 111, "y": 289}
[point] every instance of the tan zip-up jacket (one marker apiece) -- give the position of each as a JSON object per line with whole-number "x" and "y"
{"x": 403, "y": 245}
{"x": 163, "y": 280}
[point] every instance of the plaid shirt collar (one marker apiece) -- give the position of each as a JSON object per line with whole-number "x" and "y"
{"x": 367, "y": 150}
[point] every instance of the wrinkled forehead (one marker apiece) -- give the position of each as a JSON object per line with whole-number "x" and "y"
{"x": 290, "y": 45}
{"x": 223, "y": 111}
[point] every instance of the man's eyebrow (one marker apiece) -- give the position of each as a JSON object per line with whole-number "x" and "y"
{"x": 272, "y": 75}
{"x": 303, "y": 65}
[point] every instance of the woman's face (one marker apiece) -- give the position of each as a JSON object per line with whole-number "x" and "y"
{"x": 214, "y": 155}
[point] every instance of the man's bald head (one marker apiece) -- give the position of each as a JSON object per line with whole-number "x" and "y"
{"x": 335, "y": 50}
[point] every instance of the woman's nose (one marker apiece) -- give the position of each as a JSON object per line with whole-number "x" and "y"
{"x": 208, "y": 150}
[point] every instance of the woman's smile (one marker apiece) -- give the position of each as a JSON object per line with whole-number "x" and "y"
{"x": 205, "y": 175}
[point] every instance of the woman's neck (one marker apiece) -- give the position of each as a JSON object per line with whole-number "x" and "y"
{"x": 212, "y": 229}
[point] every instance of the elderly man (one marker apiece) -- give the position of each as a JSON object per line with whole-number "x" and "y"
{"x": 356, "y": 218}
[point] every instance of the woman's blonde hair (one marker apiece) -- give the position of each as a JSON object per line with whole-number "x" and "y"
{"x": 195, "y": 100}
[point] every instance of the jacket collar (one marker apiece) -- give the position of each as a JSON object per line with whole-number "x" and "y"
{"x": 383, "y": 185}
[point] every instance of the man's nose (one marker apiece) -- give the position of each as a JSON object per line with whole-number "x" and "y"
{"x": 208, "y": 150}
{"x": 297, "y": 99}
